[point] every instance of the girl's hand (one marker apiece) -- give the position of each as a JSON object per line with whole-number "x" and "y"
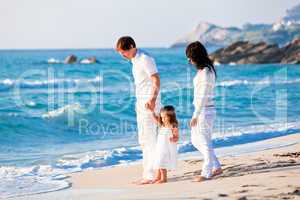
{"x": 174, "y": 138}
{"x": 193, "y": 122}
{"x": 175, "y": 135}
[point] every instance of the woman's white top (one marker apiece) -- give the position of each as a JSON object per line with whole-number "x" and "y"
{"x": 204, "y": 84}
{"x": 166, "y": 151}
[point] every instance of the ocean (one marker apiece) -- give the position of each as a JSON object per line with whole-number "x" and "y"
{"x": 61, "y": 118}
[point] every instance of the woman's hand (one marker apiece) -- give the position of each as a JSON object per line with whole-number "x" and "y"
{"x": 193, "y": 122}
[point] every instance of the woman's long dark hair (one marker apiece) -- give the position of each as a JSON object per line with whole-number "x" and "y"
{"x": 198, "y": 54}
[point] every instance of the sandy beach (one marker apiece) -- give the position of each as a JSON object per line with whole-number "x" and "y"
{"x": 269, "y": 174}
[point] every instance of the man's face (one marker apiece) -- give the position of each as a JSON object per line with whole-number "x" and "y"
{"x": 127, "y": 54}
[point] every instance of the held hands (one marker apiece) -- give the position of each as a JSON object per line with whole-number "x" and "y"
{"x": 193, "y": 122}
{"x": 150, "y": 104}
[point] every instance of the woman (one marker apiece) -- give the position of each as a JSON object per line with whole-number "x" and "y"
{"x": 204, "y": 113}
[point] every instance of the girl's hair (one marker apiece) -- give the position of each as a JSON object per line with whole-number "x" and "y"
{"x": 170, "y": 111}
{"x": 198, "y": 54}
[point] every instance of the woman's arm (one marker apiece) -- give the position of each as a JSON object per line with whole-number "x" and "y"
{"x": 200, "y": 98}
{"x": 202, "y": 88}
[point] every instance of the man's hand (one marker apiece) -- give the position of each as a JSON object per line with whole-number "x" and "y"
{"x": 193, "y": 122}
{"x": 150, "y": 104}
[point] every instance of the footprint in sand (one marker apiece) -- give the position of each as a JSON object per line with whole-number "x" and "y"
{"x": 251, "y": 185}
{"x": 241, "y": 191}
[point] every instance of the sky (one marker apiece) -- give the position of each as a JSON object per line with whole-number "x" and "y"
{"x": 47, "y": 24}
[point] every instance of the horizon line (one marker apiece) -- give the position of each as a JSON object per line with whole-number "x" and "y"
{"x": 81, "y": 48}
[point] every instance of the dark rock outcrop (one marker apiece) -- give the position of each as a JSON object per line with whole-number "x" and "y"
{"x": 244, "y": 52}
{"x": 70, "y": 59}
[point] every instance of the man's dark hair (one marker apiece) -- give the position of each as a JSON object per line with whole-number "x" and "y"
{"x": 126, "y": 43}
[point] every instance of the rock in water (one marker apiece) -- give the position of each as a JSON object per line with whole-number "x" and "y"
{"x": 70, "y": 59}
{"x": 292, "y": 53}
{"x": 244, "y": 52}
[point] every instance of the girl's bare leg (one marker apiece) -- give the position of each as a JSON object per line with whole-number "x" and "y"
{"x": 163, "y": 178}
{"x": 157, "y": 176}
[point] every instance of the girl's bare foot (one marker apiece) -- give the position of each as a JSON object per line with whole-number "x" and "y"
{"x": 200, "y": 179}
{"x": 217, "y": 172}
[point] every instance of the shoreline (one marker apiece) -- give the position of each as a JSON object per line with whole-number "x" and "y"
{"x": 239, "y": 172}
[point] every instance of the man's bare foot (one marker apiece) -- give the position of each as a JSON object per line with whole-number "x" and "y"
{"x": 155, "y": 180}
{"x": 217, "y": 172}
{"x": 160, "y": 181}
{"x": 200, "y": 179}
{"x": 143, "y": 182}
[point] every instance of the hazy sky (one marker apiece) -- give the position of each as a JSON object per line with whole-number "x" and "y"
{"x": 98, "y": 23}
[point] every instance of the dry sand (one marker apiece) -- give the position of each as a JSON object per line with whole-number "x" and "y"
{"x": 268, "y": 174}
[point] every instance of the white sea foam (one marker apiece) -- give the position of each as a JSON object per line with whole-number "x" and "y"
{"x": 53, "y": 61}
{"x": 31, "y": 103}
{"x": 65, "y": 109}
{"x": 16, "y": 181}
{"x": 10, "y": 82}
{"x": 30, "y": 180}
{"x": 260, "y": 82}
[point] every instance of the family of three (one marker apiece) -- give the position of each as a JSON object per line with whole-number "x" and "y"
{"x": 158, "y": 126}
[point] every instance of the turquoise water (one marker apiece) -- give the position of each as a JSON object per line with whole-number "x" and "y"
{"x": 57, "y": 118}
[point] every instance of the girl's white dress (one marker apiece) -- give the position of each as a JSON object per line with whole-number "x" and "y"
{"x": 166, "y": 151}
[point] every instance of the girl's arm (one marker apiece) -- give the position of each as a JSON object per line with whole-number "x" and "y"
{"x": 175, "y": 135}
{"x": 155, "y": 117}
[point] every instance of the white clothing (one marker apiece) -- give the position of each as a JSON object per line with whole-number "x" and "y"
{"x": 205, "y": 113}
{"x": 166, "y": 151}
{"x": 204, "y": 84}
{"x": 143, "y": 66}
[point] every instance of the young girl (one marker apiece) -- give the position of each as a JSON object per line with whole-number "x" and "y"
{"x": 166, "y": 147}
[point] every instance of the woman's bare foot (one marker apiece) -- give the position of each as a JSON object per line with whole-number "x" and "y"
{"x": 217, "y": 172}
{"x": 200, "y": 179}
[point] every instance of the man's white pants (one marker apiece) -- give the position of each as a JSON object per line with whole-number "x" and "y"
{"x": 147, "y": 134}
{"x": 201, "y": 139}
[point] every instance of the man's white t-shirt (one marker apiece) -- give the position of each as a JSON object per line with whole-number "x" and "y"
{"x": 143, "y": 67}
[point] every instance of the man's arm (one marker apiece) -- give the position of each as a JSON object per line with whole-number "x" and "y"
{"x": 155, "y": 91}
{"x": 156, "y": 86}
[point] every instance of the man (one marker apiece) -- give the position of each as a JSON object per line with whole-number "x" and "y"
{"x": 147, "y": 86}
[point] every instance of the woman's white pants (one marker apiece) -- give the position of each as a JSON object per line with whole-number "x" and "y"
{"x": 201, "y": 139}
